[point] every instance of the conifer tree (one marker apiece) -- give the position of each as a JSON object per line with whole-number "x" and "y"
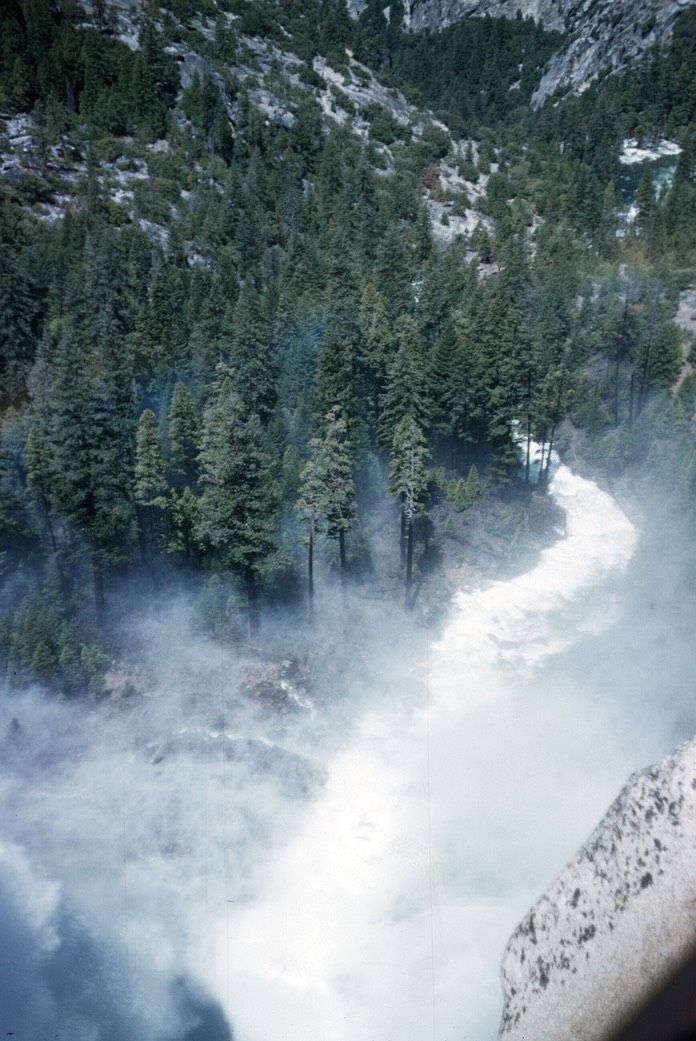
{"x": 646, "y": 203}
{"x": 680, "y": 206}
{"x": 38, "y": 481}
{"x": 150, "y": 485}
{"x": 90, "y": 453}
{"x": 393, "y": 273}
{"x": 16, "y": 313}
{"x": 406, "y": 391}
{"x": 183, "y": 438}
{"x": 376, "y": 346}
{"x": 335, "y": 379}
{"x": 155, "y": 81}
{"x": 310, "y": 507}
{"x": 15, "y": 524}
{"x": 238, "y": 504}
{"x": 454, "y": 390}
{"x": 251, "y": 358}
{"x": 507, "y": 360}
{"x": 185, "y": 520}
{"x": 335, "y": 477}
{"x": 408, "y": 479}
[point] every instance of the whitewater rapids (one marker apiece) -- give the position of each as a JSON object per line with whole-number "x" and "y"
{"x": 387, "y": 913}
{"x": 190, "y": 865}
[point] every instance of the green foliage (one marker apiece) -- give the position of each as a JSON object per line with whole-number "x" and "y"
{"x": 406, "y": 391}
{"x": 408, "y": 474}
{"x": 464, "y": 493}
{"x": 45, "y": 648}
{"x": 183, "y": 438}
{"x": 150, "y": 487}
{"x": 329, "y": 482}
{"x": 237, "y": 507}
{"x": 287, "y": 325}
{"x": 48, "y": 56}
{"x": 481, "y": 69}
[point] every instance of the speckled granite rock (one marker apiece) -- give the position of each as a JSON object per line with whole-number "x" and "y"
{"x": 619, "y": 920}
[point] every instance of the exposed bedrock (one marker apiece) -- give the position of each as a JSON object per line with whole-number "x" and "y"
{"x": 602, "y": 35}
{"x": 618, "y": 922}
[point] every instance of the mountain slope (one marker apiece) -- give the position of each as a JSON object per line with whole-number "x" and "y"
{"x": 601, "y": 35}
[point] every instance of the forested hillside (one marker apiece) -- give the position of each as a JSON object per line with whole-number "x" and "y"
{"x": 252, "y": 289}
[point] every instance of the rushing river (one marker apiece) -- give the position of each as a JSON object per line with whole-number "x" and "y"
{"x": 347, "y": 875}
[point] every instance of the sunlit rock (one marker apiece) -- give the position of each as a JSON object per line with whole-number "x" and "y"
{"x": 617, "y": 923}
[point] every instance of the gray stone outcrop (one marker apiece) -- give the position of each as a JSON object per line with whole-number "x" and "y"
{"x": 602, "y": 35}
{"x": 618, "y": 922}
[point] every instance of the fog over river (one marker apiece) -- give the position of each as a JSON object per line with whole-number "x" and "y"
{"x": 192, "y": 866}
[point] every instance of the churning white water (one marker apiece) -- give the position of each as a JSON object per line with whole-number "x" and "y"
{"x": 187, "y": 861}
{"x": 388, "y": 912}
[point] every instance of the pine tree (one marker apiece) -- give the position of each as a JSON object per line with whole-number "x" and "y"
{"x": 155, "y": 82}
{"x": 376, "y": 346}
{"x": 251, "y": 357}
{"x": 646, "y": 202}
{"x": 393, "y": 273}
{"x": 507, "y": 361}
{"x": 335, "y": 475}
{"x": 90, "y": 453}
{"x": 16, "y": 314}
{"x": 335, "y": 379}
{"x": 183, "y": 438}
{"x": 680, "y": 206}
{"x": 408, "y": 479}
{"x": 238, "y": 505}
{"x": 310, "y": 508}
{"x": 185, "y": 520}
{"x": 454, "y": 390}
{"x": 406, "y": 391}
{"x": 150, "y": 485}
{"x": 38, "y": 481}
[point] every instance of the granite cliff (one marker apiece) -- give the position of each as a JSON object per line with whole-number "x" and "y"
{"x": 601, "y": 35}
{"x": 618, "y": 922}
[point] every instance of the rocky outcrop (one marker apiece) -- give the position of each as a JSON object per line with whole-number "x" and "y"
{"x": 618, "y": 922}
{"x": 420, "y": 15}
{"x": 602, "y": 35}
{"x": 605, "y": 36}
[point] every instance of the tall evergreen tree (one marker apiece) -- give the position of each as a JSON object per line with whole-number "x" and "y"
{"x": 238, "y": 504}
{"x": 335, "y": 474}
{"x": 182, "y": 431}
{"x": 251, "y": 353}
{"x": 408, "y": 479}
{"x": 376, "y": 348}
{"x": 89, "y": 447}
{"x": 150, "y": 486}
{"x": 335, "y": 378}
{"x": 310, "y": 509}
{"x": 38, "y": 473}
{"x": 406, "y": 391}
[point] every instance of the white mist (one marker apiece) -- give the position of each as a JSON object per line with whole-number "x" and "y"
{"x": 385, "y": 917}
{"x": 351, "y": 876}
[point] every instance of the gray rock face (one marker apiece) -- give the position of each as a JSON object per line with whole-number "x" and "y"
{"x": 437, "y": 14}
{"x": 617, "y": 923}
{"x": 603, "y": 35}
